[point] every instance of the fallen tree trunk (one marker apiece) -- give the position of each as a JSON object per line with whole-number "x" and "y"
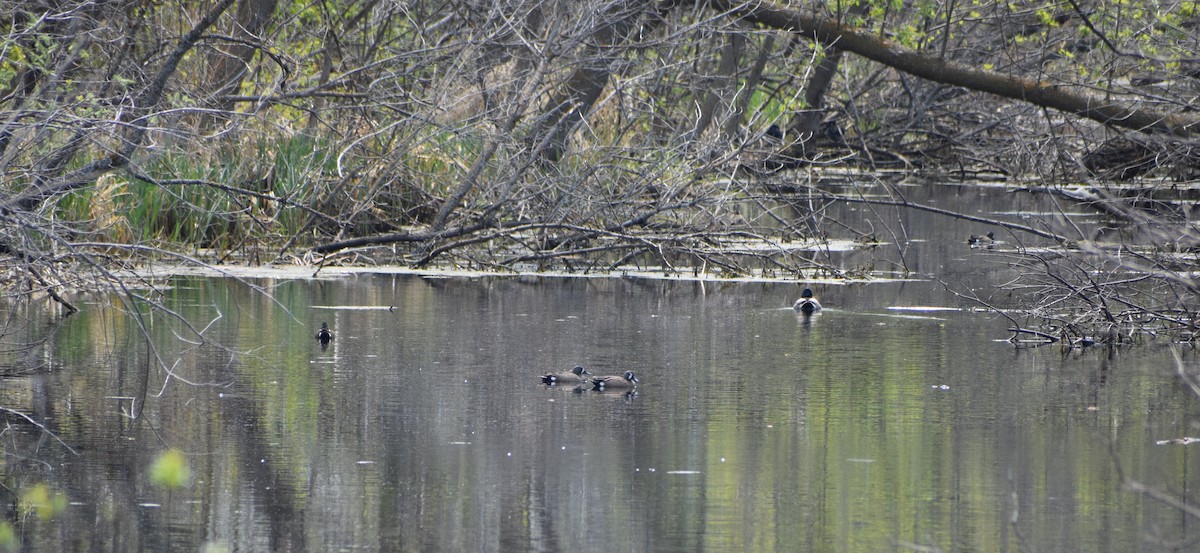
{"x": 1037, "y": 92}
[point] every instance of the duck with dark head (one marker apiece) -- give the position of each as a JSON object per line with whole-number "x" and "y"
{"x": 324, "y": 335}
{"x": 987, "y": 241}
{"x": 807, "y": 304}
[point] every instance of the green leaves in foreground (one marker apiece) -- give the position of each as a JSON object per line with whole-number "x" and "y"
{"x": 8, "y": 537}
{"x": 170, "y": 470}
{"x": 39, "y": 499}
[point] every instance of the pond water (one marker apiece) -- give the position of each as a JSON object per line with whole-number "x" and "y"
{"x": 875, "y": 425}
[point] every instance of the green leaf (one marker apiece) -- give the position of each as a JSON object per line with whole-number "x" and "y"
{"x": 170, "y": 470}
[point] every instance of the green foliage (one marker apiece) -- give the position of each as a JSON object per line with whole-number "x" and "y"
{"x": 40, "y": 500}
{"x": 1046, "y": 17}
{"x": 170, "y": 470}
{"x": 187, "y": 213}
{"x": 397, "y": 102}
{"x": 8, "y": 537}
{"x": 12, "y": 60}
{"x": 438, "y": 156}
{"x": 770, "y": 107}
{"x": 297, "y": 169}
{"x": 197, "y": 211}
{"x": 909, "y": 36}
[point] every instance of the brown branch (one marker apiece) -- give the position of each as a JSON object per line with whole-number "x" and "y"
{"x": 1050, "y": 338}
{"x": 233, "y": 190}
{"x": 149, "y": 98}
{"x": 950, "y": 213}
{"x": 402, "y": 237}
{"x": 870, "y": 45}
{"x": 71, "y": 309}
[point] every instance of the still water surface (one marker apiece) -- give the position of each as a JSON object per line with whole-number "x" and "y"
{"x": 425, "y": 427}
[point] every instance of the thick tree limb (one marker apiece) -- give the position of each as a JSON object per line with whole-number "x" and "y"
{"x": 402, "y": 237}
{"x": 146, "y": 101}
{"x": 562, "y": 115}
{"x": 930, "y": 66}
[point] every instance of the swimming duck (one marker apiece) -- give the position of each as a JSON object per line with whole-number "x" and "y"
{"x": 985, "y": 241}
{"x": 573, "y": 376}
{"x": 324, "y": 335}
{"x": 627, "y": 380}
{"x": 807, "y": 304}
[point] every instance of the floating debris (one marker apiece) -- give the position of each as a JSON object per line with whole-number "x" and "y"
{"x": 1178, "y": 441}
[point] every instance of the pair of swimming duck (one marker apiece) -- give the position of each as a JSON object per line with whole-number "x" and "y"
{"x": 576, "y": 376}
{"x": 987, "y": 241}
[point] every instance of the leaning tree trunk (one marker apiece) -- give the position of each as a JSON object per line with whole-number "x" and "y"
{"x": 568, "y": 107}
{"x": 723, "y": 85}
{"x": 1037, "y": 92}
{"x": 806, "y": 123}
{"x": 230, "y": 66}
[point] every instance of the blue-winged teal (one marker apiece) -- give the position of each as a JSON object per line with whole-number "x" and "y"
{"x": 986, "y": 241}
{"x": 324, "y": 335}
{"x": 573, "y": 376}
{"x": 627, "y": 380}
{"x": 807, "y": 303}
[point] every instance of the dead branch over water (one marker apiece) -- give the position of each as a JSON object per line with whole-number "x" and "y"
{"x": 674, "y": 136}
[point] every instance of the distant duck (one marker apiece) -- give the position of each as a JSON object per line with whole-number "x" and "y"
{"x": 807, "y": 304}
{"x": 324, "y": 335}
{"x": 625, "y": 381}
{"x": 986, "y": 241}
{"x": 573, "y": 376}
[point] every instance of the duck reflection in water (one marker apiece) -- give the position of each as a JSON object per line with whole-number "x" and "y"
{"x": 626, "y": 394}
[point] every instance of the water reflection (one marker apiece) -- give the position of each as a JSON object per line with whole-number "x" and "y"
{"x": 422, "y": 425}
{"x": 755, "y": 427}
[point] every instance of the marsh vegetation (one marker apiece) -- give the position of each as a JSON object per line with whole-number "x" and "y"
{"x": 596, "y": 136}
